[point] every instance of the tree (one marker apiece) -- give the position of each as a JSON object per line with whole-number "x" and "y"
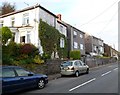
{"x": 7, "y": 8}
{"x": 6, "y": 34}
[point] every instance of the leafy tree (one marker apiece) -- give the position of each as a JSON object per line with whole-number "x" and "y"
{"x": 6, "y": 34}
{"x": 7, "y": 8}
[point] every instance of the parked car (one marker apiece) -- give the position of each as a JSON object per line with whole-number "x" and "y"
{"x": 74, "y": 67}
{"x": 15, "y": 78}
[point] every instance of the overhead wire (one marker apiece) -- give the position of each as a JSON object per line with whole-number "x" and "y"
{"x": 100, "y": 13}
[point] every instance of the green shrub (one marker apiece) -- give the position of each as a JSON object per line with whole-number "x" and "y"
{"x": 14, "y": 49}
{"x": 38, "y": 60}
{"x": 6, "y": 59}
{"x": 75, "y": 54}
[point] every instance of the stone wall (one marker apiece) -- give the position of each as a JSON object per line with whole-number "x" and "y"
{"x": 53, "y": 66}
{"x": 94, "y": 61}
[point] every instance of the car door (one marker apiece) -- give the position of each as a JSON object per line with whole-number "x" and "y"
{"x": 83, "y": 66}
{"x": 78, "y": 66}
{"x": 9, "y": 81}
{"x": 27, "y": 81}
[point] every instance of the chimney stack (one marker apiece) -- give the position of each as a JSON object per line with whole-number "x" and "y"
{"x": 59, "y": 16}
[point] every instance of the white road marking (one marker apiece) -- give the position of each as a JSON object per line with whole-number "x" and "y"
{"x": 115, "y": 69}
{"x": 82, "y": 84}
{"x": 106, "y": 73}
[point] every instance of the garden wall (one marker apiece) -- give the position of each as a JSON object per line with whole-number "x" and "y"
{"x": 53, "y": 66}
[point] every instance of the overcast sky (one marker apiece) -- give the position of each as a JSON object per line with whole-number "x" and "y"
{"x": 96, "y": 17}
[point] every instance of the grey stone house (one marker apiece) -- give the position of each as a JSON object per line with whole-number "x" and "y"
{"x": 93, "y": 45}
{"x": 75, "y": 39}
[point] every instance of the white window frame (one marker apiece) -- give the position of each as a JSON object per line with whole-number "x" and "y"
{"x": 28, "y": 37}
{"x": 26, "y": 19}
{"x": 1, "y": 23}
{"x": 75, "y": 45}
{"x": 62, "y": 43}
{"x": 81, "y": 46}
{"x": 12, "y": 21}
{"x": 81, "y": 36}
{"x": 75, "y": 33}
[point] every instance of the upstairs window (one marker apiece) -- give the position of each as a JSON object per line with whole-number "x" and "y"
{"x": 25, "y": 19}
{"x": 81, "y": 36}
{"x": 1, "y": 23}
{"x": 75, "y": 33}
{"x": 61, "y": 28}
{"x": 12, "y": 21}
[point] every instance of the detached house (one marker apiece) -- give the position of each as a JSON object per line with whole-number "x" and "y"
{"x": 24, "y": 23}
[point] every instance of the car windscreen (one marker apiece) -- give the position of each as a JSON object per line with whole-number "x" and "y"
{"x": 67, "y": 63}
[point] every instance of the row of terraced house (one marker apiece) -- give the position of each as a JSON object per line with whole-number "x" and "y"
{"x": 24, "y": 26}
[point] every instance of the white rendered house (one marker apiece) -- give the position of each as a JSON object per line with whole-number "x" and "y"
{"x": 24, "y": 24}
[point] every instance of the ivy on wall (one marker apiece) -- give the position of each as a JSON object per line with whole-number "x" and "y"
{"x": 50, "y": 40}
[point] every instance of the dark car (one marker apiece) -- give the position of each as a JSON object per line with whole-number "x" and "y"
{"x": 15, "y": 78}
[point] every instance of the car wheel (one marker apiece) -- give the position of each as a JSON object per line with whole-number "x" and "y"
{"x": 62, "y": 75}
{"x": 87, "y": 71}
{"x": 76, "y": 73}
{"x": 41, "y": 84}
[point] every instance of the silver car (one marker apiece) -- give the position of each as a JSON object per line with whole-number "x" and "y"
{"x": 74, "y": 67}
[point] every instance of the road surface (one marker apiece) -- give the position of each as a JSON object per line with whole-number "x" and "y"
{"x": 103, "y": 79}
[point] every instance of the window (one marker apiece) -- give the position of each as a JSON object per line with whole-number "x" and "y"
{"x": 1, "y": 23}
{"x": 12, "y": 21}
{"x": 62, "y": 43}
{"x": 75, "y": 33}
{"x": 21, "y": 72}
{"x": 75, "y": 45}
{"x": 81, "y": 36}
{"x": 22, "y": 39}
{"x": 28, "y": 37}
{"x": 25, "y": 19}
{"x": 8, "y": 73}
{"x": 82, "y": 63}
{"x": 61, "y": 28}
{"x": 81, "y": 46}
{"x": 77, "y": 63}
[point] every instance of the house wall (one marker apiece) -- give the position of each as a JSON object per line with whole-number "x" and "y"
{"x": 35, "y": 15}
{"x": 61, "y": 28}
{"x": 48, "y": 18}
{"x": 88, "y": 43}
{"x": 93, "y": 45}
{"x": 75, "y": 39}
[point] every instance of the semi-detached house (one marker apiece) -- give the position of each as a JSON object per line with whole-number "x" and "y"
{"x": 24, "y": 24}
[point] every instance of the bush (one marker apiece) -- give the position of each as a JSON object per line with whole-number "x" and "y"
{"x": 75, "y": 54}
{"x": 14, "y": 49}
{"x": 29, "y": 50}
{"x": 38, "y": 60}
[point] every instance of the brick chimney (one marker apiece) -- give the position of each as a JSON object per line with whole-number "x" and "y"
{"x": 59, "y": 16}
